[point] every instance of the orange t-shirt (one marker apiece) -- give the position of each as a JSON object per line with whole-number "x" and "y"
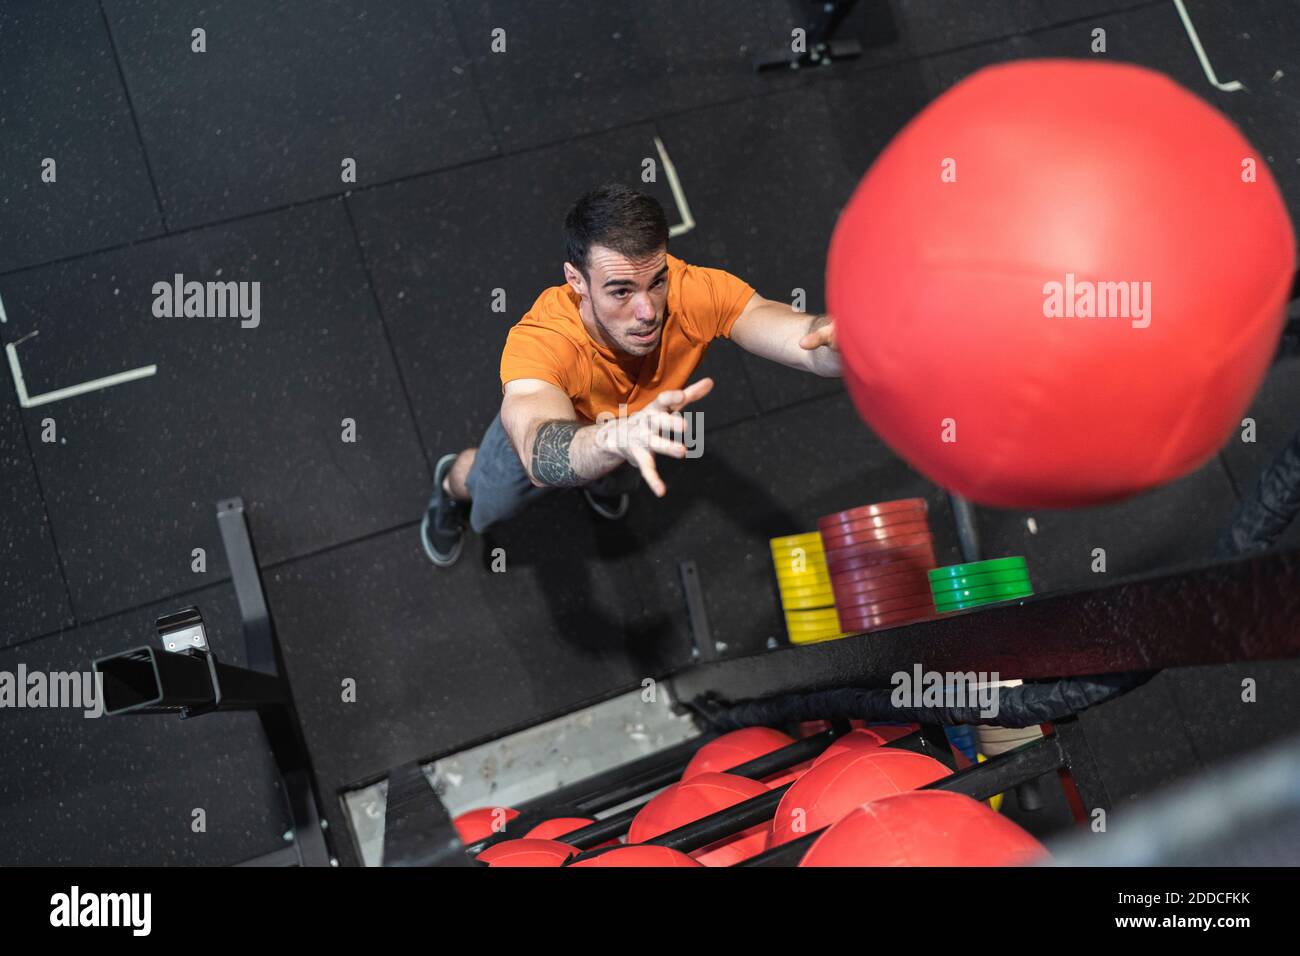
{"x": 551, "y": 343}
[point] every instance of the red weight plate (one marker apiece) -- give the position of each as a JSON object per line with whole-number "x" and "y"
{"x": 873, "y": 623}
{"x": 919, "y": 560}
{"x": 852, "y": 539}
{"x": 856, "y": 546}
{"x": 847, "y": 594}
{"x": 880, "y": 508}
{"x": 910, "y": 576}
{"x": 903, "y": 603}
{"x": 834, "y": 537}
{"x": 831, "y": 523}
{"x": 876, "y": 573}
{"x": 920, "y": 556}
{"x": 878, "y": 521}
{"x": 896, "y": 617}
{"x": 843, "y": 556}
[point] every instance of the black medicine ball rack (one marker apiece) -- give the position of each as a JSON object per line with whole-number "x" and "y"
{"x": 1005, "y": 772}
{"x": 1215, "y": 613}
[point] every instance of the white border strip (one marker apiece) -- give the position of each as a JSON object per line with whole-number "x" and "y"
{"x": 679, "y": 197}
{"x": 108, "y": 381}
{"x": 1232, "y": 86}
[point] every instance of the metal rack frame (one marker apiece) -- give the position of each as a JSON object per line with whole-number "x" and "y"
{"x": 1222, "y": 612}
{"x": 1239, "y": 610}
{"x": 191, "y": 682}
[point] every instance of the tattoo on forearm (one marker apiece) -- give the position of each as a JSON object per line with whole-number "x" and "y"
{"x": 551, "y": 465}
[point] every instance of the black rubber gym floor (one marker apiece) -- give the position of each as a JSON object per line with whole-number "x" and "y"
{"x": 378, "y": 308}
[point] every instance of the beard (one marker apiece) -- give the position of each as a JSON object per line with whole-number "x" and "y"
{"x": 625, "y": 342}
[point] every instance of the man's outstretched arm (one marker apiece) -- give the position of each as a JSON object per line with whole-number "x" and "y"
{"x": 777, "y": 332}
{"x": 565, "y": 453}
{"x": 558, "y": 450}
{"x": 554, "y": 447}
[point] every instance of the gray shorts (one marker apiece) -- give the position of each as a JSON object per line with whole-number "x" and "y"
{"x": 499, "y": 486}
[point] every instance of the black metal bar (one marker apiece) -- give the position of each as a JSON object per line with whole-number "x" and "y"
{"x": 717, "y": 826}
{"x": 699, "y": 615}
{"x": 300, "y": 795}
{"x": 786, "y": 757}
{"x": 914, "y": 742}
{"x": 826, "y": 17}
{"x": 968, "y": 536}
{"x": 938, "y": 745}
{"x": 1239, "y": 610}
{"x": 145, "y": 680}
{"x": 785, "y": 854}
{"x": 1005, "y": 771}
{"x": 692, "y": 836}
{"x": 259, "y": 640}
{"x": 1079, "y": 762}
{"x": 609, "y": 828}
{"x": 417, "y": 828}
{"x": 518, "y": 826}
{"x": 280, "y": 721}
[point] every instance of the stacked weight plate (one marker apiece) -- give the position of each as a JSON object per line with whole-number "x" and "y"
{"x": 877, "y": 556}
{"x": 805, "y": 587}
{"x": 960, "y": 586}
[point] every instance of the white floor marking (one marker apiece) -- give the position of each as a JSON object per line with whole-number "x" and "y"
{"x": 1232, "y": 86}
{"x": 683, "y": 210}
{"x": 31, "y": 401}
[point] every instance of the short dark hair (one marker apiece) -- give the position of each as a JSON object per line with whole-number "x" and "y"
{"x": 617, "y": 217}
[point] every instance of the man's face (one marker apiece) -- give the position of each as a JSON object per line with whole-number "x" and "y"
{"x": 627, "y": 298}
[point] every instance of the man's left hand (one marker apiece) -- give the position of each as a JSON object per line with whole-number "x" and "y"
{"x": 820, "y": 335}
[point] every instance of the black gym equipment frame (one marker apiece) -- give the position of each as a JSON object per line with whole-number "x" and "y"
{"x": 191, "y": 682}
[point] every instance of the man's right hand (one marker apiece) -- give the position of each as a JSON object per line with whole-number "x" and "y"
{"x": 644, "y": 434}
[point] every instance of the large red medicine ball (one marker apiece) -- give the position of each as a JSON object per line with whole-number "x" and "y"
{"x": 969, "y": 274}
{"x": 741, "y": 746}
{"x": 702, "y": 795}
{"x": 556, "y": 827}
{"x": 527, "y": 853}
{"x": 732, "y": 749}
{"x": 640, "y": 856}
{"x": 839, "y": 785}
{"x": 483, "y": 822}
{"x": 861, "y": 739}
{"x": 924, "y": 828}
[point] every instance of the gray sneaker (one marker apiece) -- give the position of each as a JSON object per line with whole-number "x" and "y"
{"x": 442, "y": 532}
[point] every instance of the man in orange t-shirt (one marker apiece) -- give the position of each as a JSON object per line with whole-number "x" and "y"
{"x": 595, "y": 376}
